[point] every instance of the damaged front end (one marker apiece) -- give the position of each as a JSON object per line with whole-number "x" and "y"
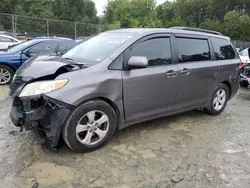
{"x": 38, "y": 112}
{"x": 41, "y": 114}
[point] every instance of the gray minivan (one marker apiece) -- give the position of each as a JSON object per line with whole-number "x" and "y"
{"x": 123, "y": 77}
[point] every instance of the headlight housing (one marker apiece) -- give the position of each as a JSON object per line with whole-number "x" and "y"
{"x": 42, "y": 87}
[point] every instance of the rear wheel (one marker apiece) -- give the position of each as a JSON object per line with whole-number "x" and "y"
{"x": 6, "y": 74}
{"x": 218, "y": 101}
{"x": 89, "y": 126}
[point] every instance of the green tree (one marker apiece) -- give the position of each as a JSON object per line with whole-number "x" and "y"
{"x": 40, "y": 9}
{"x": 33, "y": 8}
{"x": 221, "y": 7}
{"x": 75, "y": 10}
{"x": 237, "y": 25}
{"x": 212, "y": 25}
{"x": 132, "y": 13}
{"x": 231, "y": 17}
{"x": 81, "y": 11}
{"x": 8, "y": 6}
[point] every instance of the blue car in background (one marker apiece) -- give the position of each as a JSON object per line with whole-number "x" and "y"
{"x": 14, "y": 57}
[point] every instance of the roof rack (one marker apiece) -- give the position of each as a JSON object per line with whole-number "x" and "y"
{"x": 197, "y": 29}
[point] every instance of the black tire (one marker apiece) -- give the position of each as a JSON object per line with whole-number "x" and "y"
{"x": 69, "y": 128}
{"x": 10, "y": 70}
{"x": 211, "y": 109}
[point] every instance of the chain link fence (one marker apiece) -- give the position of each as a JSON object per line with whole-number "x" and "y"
{"x": 241, "y": 44}
{"x": 17, "y": 25}
{"x": 37, "y": 27}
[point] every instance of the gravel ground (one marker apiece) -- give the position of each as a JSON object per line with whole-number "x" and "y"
{"x": 3, "y": 92}
{"x": 182, "y": 151}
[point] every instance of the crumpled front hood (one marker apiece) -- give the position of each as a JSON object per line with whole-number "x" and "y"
{"x": 40, "y": 66}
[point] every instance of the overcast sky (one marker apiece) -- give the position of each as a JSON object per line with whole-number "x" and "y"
{"x": 100, "y": 5}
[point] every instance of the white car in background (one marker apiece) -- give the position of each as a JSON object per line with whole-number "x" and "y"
{"x": 6, "y": 41}
{"x": 244, "y": 56}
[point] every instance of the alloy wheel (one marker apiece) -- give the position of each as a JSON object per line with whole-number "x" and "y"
{"x": 219, "y": 99}
{"x": 92, "y": 127}
{"x": 5, "y": 76}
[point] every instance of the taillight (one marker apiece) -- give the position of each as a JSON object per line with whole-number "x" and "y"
{"x": 240, "y": 64}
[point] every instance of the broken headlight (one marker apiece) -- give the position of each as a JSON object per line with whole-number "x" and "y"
{"x": 42, "y": 87}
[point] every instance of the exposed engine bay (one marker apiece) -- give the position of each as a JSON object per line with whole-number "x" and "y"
{"x": 41, "y": 114}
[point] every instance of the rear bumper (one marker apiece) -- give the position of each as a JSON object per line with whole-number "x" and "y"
{"x": 45, "y": 120}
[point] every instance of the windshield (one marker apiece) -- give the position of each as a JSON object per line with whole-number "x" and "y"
{"x": 20, "y": 46}
{"x": 98, "y": 48}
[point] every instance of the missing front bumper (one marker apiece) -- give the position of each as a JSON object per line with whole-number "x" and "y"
{"x": 43, "y": 115}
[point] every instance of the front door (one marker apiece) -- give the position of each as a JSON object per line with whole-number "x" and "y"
{"x": 197, "y": 72}
{"x": 150, "y": 92}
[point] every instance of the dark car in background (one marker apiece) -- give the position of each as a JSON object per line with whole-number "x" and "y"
{"x": 123, "y": 77}
{"x": 13, "y": 57}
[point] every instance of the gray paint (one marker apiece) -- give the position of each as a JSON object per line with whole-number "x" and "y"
{"x": 143, "y": 94}
{"x": 137, "y": 62}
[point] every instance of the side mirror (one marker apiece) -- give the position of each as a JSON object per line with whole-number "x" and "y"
{"x": 27, "y": 53}
{"x": 59, "y": 53}
{"x": 137, "y": 62}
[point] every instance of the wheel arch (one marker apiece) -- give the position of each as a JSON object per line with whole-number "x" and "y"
{"x": 111, "y": 103}
{"x": 71, "y": 140}
{"x": 228, "y": 84}
{"x": 8, "y": 65}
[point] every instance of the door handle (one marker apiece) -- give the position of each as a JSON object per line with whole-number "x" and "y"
{"x": 185, "y": 71}
{"x": 171, "y": 74}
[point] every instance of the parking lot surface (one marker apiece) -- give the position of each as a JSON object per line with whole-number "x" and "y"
{"x": 188, "y": 150}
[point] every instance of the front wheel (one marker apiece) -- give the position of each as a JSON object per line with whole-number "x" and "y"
{"x": 89, "y": 126}
{"x": 218, "y": 100}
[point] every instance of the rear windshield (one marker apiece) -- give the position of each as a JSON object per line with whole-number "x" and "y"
{"x": 98, "y": 48}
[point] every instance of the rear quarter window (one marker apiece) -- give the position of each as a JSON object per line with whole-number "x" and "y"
{"x": 223, "y": 49}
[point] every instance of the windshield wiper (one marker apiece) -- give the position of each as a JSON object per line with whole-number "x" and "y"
{"x": 73, "y": 60}
{"x": 69, "y": 58}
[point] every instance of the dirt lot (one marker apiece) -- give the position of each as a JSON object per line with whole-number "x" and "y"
{"x": 187, "y": 150}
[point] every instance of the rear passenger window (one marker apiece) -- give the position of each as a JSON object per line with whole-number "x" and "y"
{"x": 223, "y": 49}
{"x": 157, "y": 50}
{"x": 190, "y": 50}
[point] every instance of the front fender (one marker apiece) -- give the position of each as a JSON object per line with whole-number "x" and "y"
{"x": 12, "y": 61}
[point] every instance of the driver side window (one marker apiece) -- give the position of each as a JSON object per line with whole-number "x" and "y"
{"x": 157, "y": 51}
{"x": 44, "y": 47}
